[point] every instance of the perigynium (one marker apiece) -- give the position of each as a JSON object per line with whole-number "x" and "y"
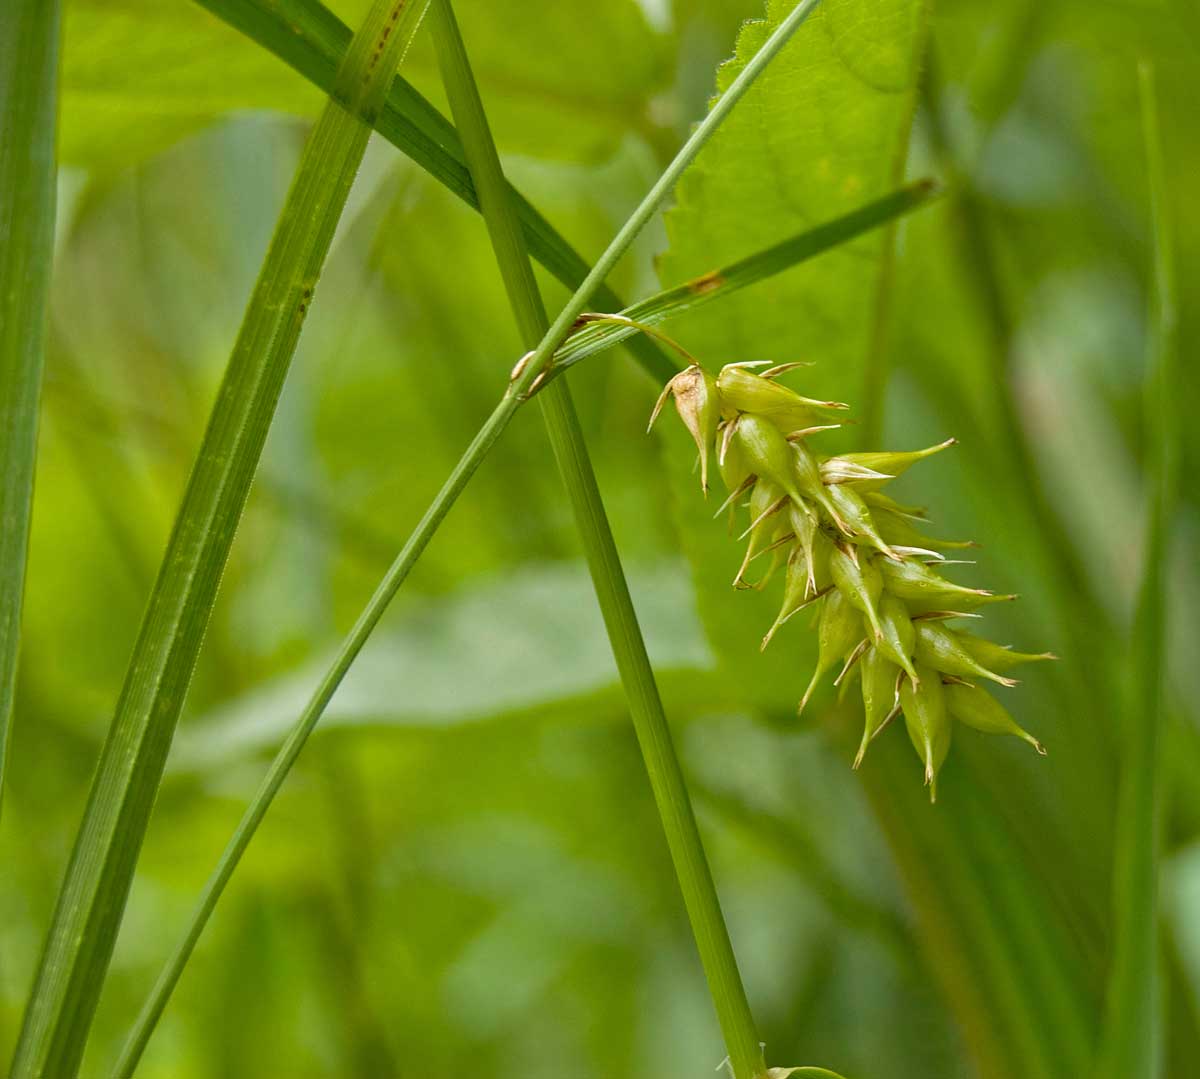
{"x": 885, "y": 613}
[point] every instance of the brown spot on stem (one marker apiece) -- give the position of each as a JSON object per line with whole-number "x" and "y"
{"x": 707, "y": 282}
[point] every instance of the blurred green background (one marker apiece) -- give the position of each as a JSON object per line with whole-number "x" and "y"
{"x": 466, "y": 875}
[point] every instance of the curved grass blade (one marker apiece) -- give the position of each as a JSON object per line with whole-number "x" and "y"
{"x": 1132, "y": 1044}
{"x": 597, "y": 336}
{"x": 312, "y": 40}
{"x": 29, "y": 34}
{"x": 93, "y": 894}
{"x": 518, "y": 393}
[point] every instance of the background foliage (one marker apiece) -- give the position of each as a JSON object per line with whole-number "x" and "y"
{"x": 466, "y": 872}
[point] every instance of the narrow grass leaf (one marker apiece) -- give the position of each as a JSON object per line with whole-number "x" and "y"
{"x": 92, "y": 898}
{"x": 29, "y": 35}
{"x": 311, "y": 39}
{"x": 1132, "y": 1044}
{"x": 716, "y": 284}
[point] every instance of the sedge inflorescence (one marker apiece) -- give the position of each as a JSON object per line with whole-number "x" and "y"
{"x": 886, "y": 614}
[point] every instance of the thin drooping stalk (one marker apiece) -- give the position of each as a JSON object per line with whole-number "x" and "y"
{"x": 1131, "y": 1045}
{"x": 308, "y": 37}
{"x": 29, "y": 31}
{"x": 93, "y": 894}
{"x": 515, "y": 396}
{"x": 608, "y": 578}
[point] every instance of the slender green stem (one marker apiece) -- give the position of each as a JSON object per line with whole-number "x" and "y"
{"x": 92, "y": 899}
{"x": 29, "y": 32}
{"x": 1131, "y": 1046}
{"x": 517, "y": 393}
{"x": 608, "y": 577}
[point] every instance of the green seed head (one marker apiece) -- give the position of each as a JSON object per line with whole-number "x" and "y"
{"x": 977, "y": 708}
{"x": 890, "y": 464}
{"x": 852, "y": 551}
{"x": 942, "y": 649}
{"x": 857, "y": 516}
{"x": 880, "y": 693}
{"x": 744, "y": 391}
{"x": 911, "y": 579}
{"x": 698, "y": 404}
{"x": 928, "y": 723}
{"x": 899, "y": 635}
{"x": 766, "y": 452}
{"x": 997, "y": 656}
{"x": 838, "y": 634}
{"x": 858, "y": 578}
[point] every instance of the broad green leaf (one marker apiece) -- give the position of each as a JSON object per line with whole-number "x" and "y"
{"x": 821, "y": 134}
{"x": 93, "y": 894}
{"x": 28, "y": 112}
{"x": 413, "y": 674}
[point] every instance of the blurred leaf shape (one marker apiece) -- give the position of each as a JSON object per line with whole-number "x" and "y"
{"x": 469, "y": 660}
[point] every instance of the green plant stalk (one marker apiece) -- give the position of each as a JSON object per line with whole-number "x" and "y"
{"x": 312, "y": 40}
{"x": 608, "y": 578}
{"x": 596, "y": 336}
{"x": 517, "y": 393}
{"x": 1131, "y": 1047}
{"x": 92, "y": 898}
{"x": 29, "y": 34}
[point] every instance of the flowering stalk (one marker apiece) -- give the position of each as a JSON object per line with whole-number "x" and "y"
{"x": 884, "y": 611}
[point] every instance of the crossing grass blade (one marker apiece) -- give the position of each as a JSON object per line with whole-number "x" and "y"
{"x": 29, "y": 35}
{"x": 308, "y": 37}
{"x": 93, "y": 894}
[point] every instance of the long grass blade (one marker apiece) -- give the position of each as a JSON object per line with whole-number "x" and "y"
{"x": 92, "y": 898}
{"x": 311, "y": 39}
{"x": 487, "y": 436}
{"x": 597, "y": 336}
{"x": 29, "y": 32}
{"x": 1132, "y": 1044}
